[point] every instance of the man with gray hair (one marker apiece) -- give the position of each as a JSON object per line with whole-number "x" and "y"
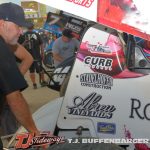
{"x": 12, "y": 81}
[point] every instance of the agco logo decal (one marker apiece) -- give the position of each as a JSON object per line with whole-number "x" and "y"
{"x": 91, "y": 107}
{"x": 85, "y": 3}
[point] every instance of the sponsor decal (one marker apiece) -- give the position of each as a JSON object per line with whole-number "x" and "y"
{"x": 26, "y": 140}
{"x": 105, "y": 127}
{"x": 139, "y": 110}
{"x": 99, "y": 62}
{"x": 96, "y": 80}
{"x": 85, "y": 3}
{"x": 76, "y": 25}
{"x": 73, "y": 27}
{"x": 99, "y": 48}
{"x": 91, "y": 107}
{"x": 59, "y": 75}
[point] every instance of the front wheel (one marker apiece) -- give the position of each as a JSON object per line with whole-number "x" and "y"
{"x": 48, "y": 59}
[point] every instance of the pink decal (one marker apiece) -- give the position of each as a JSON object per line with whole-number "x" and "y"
{"x": 138, "y": 146}
{"x": 114, "y": 42}
{"x": 84, "y": 45}
{"x": 146, "y": 51}
{"x": 107, "y": 58}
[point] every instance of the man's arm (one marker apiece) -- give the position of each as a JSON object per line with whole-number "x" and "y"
{"x": 25, "y": 57}
{"x": 21, "y": 110}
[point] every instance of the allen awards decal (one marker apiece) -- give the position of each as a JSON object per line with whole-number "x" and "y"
{"x": 90, "y": 107}
{"x": 99, "y": 48}
{"x": 96, "y": 80}
{"x": 106, "y": 128}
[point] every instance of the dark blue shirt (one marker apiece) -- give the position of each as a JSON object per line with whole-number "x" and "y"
{"x": 11, "y": 78}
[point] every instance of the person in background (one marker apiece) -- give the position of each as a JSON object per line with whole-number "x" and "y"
{"x": 33, "y": 43}
{"x": 64, "y": 47}
{"x": 12, "y": 81}
{"x": 45, "y": 39}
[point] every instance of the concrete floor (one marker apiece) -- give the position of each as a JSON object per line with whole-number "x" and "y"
{"x": 38, "y": 97}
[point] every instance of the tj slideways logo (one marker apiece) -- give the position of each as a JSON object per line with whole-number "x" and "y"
{"x": 26, "y": 140}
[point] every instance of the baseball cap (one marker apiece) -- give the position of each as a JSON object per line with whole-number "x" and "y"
{"x": 13, "y": 13}
{"x": 67, "y": 33}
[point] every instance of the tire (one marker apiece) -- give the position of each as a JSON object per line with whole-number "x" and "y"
{"x": 64, "y": 86}
{"x": 84, "y": 146}
{"x": 48, "y": 59}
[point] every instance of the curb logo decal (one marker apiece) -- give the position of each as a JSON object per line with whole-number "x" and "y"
{"x": 98, "y": 62}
